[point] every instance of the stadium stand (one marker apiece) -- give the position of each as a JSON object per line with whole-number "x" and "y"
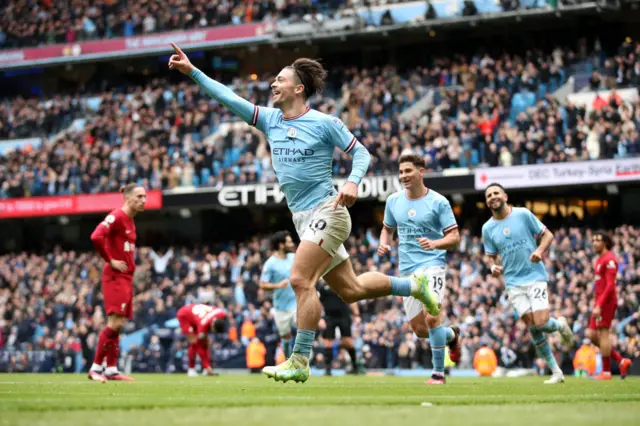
{"x": 53, "y": 303}
{"x": 490, "y": 111}
{"x": 24, "y": 23}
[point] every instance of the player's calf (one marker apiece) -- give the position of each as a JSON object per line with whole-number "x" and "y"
{"x": 544, "y": 350}
{"x": 454, "y": 345}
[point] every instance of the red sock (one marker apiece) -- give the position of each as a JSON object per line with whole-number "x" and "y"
{"x": 616, "y": 356}
{"x": 204, "y": 353}
{"x": 606, "y": 364}
{"x": 192, "y": 355}
{"x": 104, "y": 342}
{"x": 113, "y": 349}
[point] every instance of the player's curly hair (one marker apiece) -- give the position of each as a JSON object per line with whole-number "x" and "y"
{"x": 413, "y": 158}
{"x": 311, "y": 75}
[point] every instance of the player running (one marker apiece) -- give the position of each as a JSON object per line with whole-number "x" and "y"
{"x": 275, "y": 276}
{"x": 196, "y": 321}
{"x": 302, "y": 144}
{"x": 605, "y": 304}
{"x": 512, "y": 233}
{"x": 427, "y": 228}
{"x": 115, "y": 240}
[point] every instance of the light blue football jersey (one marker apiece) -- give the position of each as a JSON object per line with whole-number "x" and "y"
{"x": 430, "y": 216}
{"x": 302, "y": 153}
{"x": 514, "y": 238}
{"x": 274, "y": 271}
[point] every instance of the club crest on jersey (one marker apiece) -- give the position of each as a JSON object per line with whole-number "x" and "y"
{"x": 412, "y": 213}
{"x": 292, "y": 132}
{"x": 506, "y": 231}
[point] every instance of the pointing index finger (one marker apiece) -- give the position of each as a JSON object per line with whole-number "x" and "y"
{"x": 177, "y": 49}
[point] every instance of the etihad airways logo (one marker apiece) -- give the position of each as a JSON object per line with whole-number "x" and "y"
{"x": 307, "y": 152}
{"x": 292, "y": 155}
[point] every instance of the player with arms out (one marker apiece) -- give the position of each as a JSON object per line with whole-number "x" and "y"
{"x": 196, "y": 321}
{"x": 275, "y": 276}
{"x": 605, "y": 304}
{"x": 512, "y": 233}
{"x": 427, "y": 228}
{"x": 302, "y": 144}
{"x": 115, "y": 240}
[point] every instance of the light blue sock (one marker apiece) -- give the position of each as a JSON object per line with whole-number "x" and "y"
{"x": 551, "y": 326}
{"x": 543, "y": 348}
{"x": 286, "y": 347}
{"x": 400, "y": 286}
{"x": 304, "y": 342}
{"x": 438, "y": 340}
{"x": 450, "y": 334}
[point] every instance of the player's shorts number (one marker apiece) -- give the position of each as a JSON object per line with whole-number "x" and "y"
{"x": 438, "y": 283}
{"x": 540, "y": 293}
{"x": 318, "y": 225}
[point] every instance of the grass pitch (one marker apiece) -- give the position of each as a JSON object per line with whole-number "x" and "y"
{"x": 165, "y": 400}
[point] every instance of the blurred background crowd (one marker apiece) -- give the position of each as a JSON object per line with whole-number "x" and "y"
{"x": 486, "y": 111}
{"x": 53, "y": 302}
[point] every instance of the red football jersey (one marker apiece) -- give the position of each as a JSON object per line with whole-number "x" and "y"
{"x": 200, "y": 317}
{"x": 606, "y": 268}
{"x": 115, "y": 238}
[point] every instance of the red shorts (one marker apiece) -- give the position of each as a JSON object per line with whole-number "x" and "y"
{"x": 185, "y": 325}
{"x": 607, "y": 312}
{"x": 118, "y": 294}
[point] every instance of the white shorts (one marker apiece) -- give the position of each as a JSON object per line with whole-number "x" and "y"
{"x": 326, "y": 227}
{"x": 285, "y": 321}
{"x": 437, "y": 283}
{"x": 529, "y": 297}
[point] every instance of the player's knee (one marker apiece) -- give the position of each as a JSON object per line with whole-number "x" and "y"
{"x": 420, "y": 328}
{"x": 540, "y": 321}
{"x": 115, "y": 322}
{"x": 300, "y": 284}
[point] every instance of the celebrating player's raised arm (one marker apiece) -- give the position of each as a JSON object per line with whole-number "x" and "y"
{"x": 218, "y": 91}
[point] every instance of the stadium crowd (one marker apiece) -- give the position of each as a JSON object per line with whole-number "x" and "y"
{"x": 25, "y": 23}
{"x": 494, "y": 111}
{"x": 53, "y": 302}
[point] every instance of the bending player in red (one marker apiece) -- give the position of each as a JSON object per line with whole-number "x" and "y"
{"x": 115, "y": 240}
{"x": 606, "y": 268}
{"x": 196, "y": 321}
